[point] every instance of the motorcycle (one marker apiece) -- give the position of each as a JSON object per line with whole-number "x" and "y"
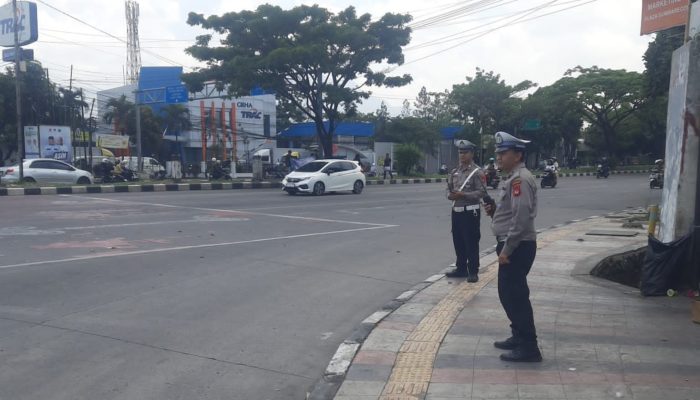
{"x": 549, "y": 178}
{"x": 656, "y": 180}
{"x": 602, "y": 172}
{"x": 218, "y": 172}
{"x": 492, "y": 178}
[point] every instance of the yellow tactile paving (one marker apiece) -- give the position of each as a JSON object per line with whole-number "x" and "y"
{"x": 413, "y": 368}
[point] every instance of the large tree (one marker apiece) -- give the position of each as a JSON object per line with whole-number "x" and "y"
{"x": 607, "y": 97}
{"x": 488, "y": 102}
{"x": 320, "y": 61}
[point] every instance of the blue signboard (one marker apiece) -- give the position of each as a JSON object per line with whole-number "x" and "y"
{"x": 9, "y": 55}
{"x": 176, "y": 94}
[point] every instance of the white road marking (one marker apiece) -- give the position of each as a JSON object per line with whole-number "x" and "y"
{"x": 191, "y": 247}
{"x": 237, "y": 212}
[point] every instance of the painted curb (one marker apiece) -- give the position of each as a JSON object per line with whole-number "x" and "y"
{"x": 334, "y": 375}
{"x": 177, "y": 187}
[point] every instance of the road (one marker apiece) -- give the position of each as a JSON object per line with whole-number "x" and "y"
{"x": 225, "y": 294}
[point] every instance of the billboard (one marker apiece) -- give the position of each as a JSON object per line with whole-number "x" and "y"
{"x": 55, "y": 142}
{"x": 113, "y": 141}
{"x": 31, "y": 142}
{"x": 28, "y": 28}
{"x": 658, "y": 15}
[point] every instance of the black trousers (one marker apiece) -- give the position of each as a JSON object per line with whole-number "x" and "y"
{"x": 466, "y": 233}
{"x": 514, "y": 292}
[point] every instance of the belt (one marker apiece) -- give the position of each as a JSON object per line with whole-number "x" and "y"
{"x": 500, "y": 239}
{"x": 466, "y": 208}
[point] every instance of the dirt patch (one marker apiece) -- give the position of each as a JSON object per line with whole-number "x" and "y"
{"x": 624, "y": 268}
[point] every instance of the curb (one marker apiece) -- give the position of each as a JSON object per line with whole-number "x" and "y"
{"x": 155, "y": 187}
{"x": 177, "y": 187}
{"x": 334, "y": 375}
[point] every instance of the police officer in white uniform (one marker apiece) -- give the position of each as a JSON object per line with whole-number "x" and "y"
{"x": 465, "y": 189}
{"x": 514, "y": 226}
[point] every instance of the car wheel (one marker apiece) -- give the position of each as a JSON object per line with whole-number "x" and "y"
{"x": 319, "y": 188}
{"x": 28, "y": 179}
{"x": 542, "y": 185}
{"x": 357, "y": 187}
{"x": 83, "y": 180}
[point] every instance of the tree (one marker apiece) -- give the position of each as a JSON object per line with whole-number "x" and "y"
{"x": 118, "y": 110}
{"x": 319, "y": 61}
{"x": 560, "y": 115}
{"x": 415, "y": 131}
{"x": 434, "y": 107}
{"x": 657, "y": 60}
{"x": 287, "y": 114}
{"x": 488, "y": 102}
{"x": 408, "y": 156}
{"x": 607, "y": 98}
{"x": 175, "y": 118}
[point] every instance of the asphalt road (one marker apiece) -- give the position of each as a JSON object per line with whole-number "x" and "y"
{"x": 220, "y": 295}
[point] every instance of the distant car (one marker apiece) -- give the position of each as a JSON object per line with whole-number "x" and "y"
{"x": 320, "y": 176}
{"x": 46, "y": 170}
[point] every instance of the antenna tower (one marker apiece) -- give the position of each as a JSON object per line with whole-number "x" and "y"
{"x": 133, "y": 49}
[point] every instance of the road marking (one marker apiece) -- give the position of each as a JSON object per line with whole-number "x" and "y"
{"x": 338, "y": 221}
{"x": 191, "y": 247}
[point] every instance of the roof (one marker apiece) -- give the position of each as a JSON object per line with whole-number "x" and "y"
{"x": 308, "y": 129}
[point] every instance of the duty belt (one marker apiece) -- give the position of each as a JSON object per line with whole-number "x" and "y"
{"x": 466, "y": 208}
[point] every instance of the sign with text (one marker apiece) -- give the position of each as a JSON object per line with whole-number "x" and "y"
{"x": 55, "y": 142}
{"x": 31, "y": 142}
{"x": 176, "y": 94}
{"x": 27, "y": 27}
{"x": 113, "y": 141}
{"x": 658, "y": 15}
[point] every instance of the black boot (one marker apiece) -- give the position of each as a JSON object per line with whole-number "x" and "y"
{"x": 457, "y": 273}
{"x": 524, "y": 353}
{"x": 509, "y": 344}
{"x": 473, "y": 278}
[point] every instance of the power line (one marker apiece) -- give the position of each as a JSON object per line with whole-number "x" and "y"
{"x": 167, "y": 60}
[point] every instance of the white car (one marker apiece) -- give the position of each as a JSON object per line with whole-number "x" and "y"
{"x": 46, "y": 170}
{"x": 320, "y": 176}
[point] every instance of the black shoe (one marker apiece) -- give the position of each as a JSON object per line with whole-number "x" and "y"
{"x": 509, "y": 344}
{"x": 523, "y": 354}
{"x": 473, "y": 278}
{"x": 457, "y": 274}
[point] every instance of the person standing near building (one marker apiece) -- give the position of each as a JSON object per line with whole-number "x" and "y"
{"x": 465, "y": 188}
{"x": 387, "y": 166}
{"x": 514, "y": 226}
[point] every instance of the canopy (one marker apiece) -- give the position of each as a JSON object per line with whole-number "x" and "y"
{"x": 308, "y": 129}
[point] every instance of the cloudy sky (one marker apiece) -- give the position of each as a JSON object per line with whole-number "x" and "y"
{"x": 511, "y": 37}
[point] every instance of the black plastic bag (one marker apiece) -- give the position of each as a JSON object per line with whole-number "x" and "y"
{"x": 663, "y": 265}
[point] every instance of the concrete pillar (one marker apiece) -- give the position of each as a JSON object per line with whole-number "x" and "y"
{"x": 682, "y": 144}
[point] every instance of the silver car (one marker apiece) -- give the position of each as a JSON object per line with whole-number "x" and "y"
{"x": 46, "y": 170}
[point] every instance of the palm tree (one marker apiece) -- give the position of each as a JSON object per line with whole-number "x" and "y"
{"x": 176, "y": 118}
{"x": 118, "y": 111}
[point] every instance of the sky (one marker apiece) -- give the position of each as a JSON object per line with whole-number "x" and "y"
{"x": 505, "y": 38}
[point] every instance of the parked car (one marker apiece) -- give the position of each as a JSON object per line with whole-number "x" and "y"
{"x": 320, "y": 176}
{"x": 46, "y": 170}
{"x": 151, "y": 166}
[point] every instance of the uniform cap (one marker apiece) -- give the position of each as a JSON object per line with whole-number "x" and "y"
{"x": 464, "y": 144}
{"x": 506, "y": 141}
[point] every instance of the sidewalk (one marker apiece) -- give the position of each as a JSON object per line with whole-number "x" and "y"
{"x": 599, "y": 340}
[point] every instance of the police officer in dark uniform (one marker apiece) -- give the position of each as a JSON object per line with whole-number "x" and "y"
{"x": 465, "y": 188}
{"x": 514, "y": 226}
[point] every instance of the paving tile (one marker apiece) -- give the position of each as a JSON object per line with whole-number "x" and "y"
{"x": 664, "y": 392}
{"x": 353, "y": 397}
{"x": 360, "y": 388}
{"x": 450, "y": 390}
{"x": 541, "y": 392}
{"x": 597, "y": 392}
{"x": 494, "y": 391}
{"x": 375, "y": 357}
{"x": 494, "y": 376}
{"x": 533, "y": 377}
{"x": 452, "y": 375}
{"x": 363, "y": 372}
{"x": 385, "y": 340}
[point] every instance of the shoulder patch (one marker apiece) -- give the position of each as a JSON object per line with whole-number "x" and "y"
{"x": 516, "y": 187}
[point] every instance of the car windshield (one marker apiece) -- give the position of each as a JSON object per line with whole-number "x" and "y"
{"x": 313, "y": 166}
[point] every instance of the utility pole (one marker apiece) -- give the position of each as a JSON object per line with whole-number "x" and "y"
{"x": 92, "y": 106}
{"x": 138, "y": 133}
{"x": 18, "y": 94}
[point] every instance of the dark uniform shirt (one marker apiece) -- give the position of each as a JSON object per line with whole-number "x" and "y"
{"x": 514, "y": 219}
{"x": 474, "y": 190}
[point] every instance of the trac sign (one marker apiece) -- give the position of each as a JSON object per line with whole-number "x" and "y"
{"x": 27, "y": 27}
{"x": 252, "y": 114}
